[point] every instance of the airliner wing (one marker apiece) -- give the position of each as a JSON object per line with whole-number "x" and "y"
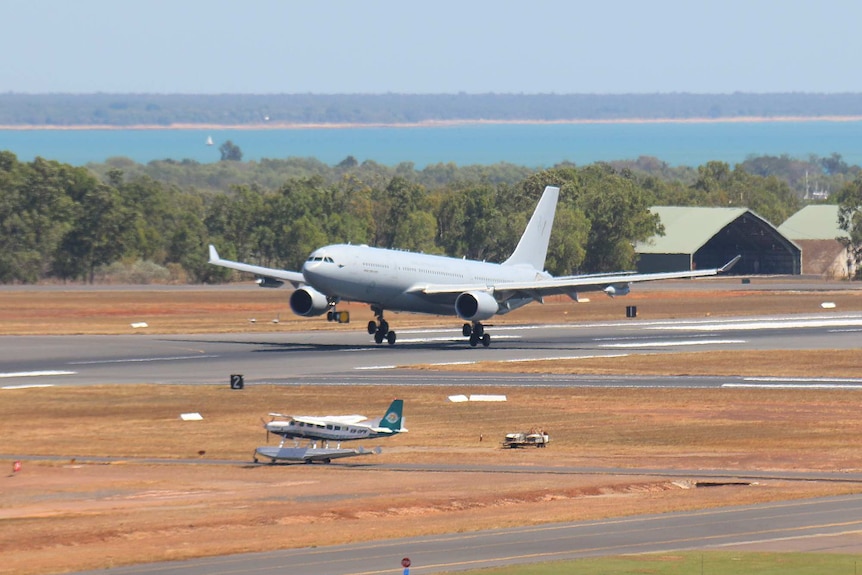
{"x": 296, "y": 278}
{"x": 571, "y": 284}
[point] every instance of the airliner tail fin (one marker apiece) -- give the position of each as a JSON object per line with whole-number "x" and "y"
{"x": 533, "y": 245}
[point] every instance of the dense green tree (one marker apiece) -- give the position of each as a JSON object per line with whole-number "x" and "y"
{"x": 472, "y": 225}
{"x": 275, "y": 212}
{"x": 349, "y": 211}
{"x": 293, "y": 222}
{"x": 37, "y": 207}
{"x": 186, "y": 239}
{"x": 230, "y": 152}
{"x": 348, "y": 163}
{"x": 850, "y": 220}
{"x": 97, "y": 235}
{"x": 232, "y": 221}
{"x": 619, "y": 216}
{"x": 568, "y": 245}
{"x": 393, "y": 206}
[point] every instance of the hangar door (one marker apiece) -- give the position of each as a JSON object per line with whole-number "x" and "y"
{"x": 763, "y": 249}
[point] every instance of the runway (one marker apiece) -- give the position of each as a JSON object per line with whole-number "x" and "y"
{"x": 813, "y": 523}
{"x": 348, "y": 357}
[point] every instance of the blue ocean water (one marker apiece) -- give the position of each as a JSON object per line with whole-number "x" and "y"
{"x": 531, "y": 145}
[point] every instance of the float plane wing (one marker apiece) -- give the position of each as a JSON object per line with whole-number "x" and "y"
{"x": 413, "y": 282}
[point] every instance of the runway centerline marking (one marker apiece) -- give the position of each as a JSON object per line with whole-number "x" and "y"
{"x": 141, "y": 359}
{"x": 672, "y": 343}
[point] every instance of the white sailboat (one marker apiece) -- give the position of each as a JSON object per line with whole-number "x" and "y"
{"x": 209, "y": 140}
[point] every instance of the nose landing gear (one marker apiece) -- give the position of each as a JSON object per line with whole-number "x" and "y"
{"x": 339, "y": 316}
{"x": 334, "y": 315}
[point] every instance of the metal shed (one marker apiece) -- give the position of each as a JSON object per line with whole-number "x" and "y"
{"x": 815, "y": 229}
{"x": 699, "y": 238}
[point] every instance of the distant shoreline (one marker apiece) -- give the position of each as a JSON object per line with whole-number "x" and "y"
{"x": 432, "y": 123}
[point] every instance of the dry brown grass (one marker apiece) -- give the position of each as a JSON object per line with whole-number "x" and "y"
{"x": 831, "y": 363}
{"x": 65, "y": 515}
{"x": 229, "y": 308}
{"x": 62, "y": 515}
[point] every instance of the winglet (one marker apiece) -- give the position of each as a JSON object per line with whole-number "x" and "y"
{"x": 213, "y": 254}
{"x": 533, "y": 245}
{"x": 726, "y": 267}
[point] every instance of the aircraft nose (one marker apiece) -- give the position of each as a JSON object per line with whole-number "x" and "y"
{"x": 311, "y": 270}
{"x": 310, "y": 266}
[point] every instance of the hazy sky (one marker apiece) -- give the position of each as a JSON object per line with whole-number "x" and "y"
{"x": 439, "y": 46}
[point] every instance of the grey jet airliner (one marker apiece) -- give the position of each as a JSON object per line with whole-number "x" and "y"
{"x": 414, "y": 282}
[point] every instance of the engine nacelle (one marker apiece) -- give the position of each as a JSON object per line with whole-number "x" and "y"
{"x": 476, "y": 305}
{"x": 308, "y": 302}
{"x": 618, "y": 289}
{"x": 269, "y": 282}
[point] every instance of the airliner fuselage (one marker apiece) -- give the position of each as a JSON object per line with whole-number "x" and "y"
{"x": 395, "y": 279}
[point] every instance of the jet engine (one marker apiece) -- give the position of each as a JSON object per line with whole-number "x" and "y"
{"x": 476, "y": 305}
{"x": 269, "y": 282}
{"x": 618, "y": 289}
{"x": 308, "y": 302}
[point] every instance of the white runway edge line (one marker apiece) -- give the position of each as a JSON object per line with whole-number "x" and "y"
{"x": 376, "y": 367}
{"x": 35, "y": 385}
{"x": 564, "y": 358}
{"x": 798, "y": 383}
{"x": 529, "y": 359}
{"x": 779, "y": 323}
{"x": 777, "y": 385}
{"x": 807, "y": 379}
{"x": 34, "y": 373}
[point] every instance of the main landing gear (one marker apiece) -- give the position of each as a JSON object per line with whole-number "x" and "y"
{"x": 380, "y": 328}
{"x": 476, "y": 333}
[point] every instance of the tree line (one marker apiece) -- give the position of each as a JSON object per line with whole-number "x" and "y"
{"x": 64, "y": 223}
{"x": 247, "y": 109}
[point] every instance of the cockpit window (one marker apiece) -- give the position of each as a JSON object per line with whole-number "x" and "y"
{"x": 326, "y": 259}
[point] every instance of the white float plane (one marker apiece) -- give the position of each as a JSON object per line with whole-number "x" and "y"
{"x": 339, "y": 427}
{"x": 328, "y": 428}
{"x": 414, "y": 282}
